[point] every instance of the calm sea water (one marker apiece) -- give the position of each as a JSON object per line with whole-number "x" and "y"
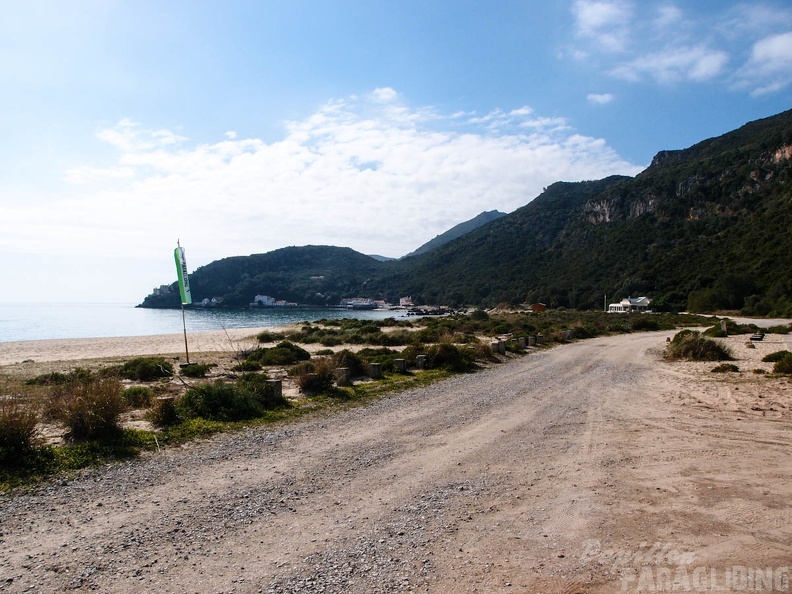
{"x": 38, "y": 321}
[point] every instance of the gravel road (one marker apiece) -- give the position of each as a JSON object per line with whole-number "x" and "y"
{"x": 567, "y": 470}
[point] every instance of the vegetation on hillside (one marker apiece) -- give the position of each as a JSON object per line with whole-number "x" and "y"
{"x": 703, "y": 229}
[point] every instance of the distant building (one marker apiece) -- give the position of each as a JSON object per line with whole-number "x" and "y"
{"x": 405, "y": 302}
{"x": 263, "y": 301}
{"x": 537, "y": 307}
{"x": 358, "y": 303}
{"x": 630, "y": 305}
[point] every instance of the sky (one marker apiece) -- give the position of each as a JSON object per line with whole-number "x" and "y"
{"x": 243, "y": 126}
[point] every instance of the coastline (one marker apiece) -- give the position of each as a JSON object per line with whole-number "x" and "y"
{"x": 78, "y": 349}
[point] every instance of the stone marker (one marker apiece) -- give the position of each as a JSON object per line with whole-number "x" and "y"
{"x": 531, "y": 341}
{"x": 420, "y": 361}
{"x": 539, "y": 339}
{"x": 375, "y": 370}
{"x": 276, "y": 386}
{"x": 521, "y": 342}
{"x": 401, "y": 365}
{"x": 342, "y": 376}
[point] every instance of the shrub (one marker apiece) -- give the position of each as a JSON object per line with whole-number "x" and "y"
{"x": 55, "y": 378}
{"x": 247, "y": 366}
{"x": 384, "y": 356}
{"x": 783, "y": 365}
{"x": 163, "y": 413}
{"x": 776, "y": 356}
{"x": 138, "y": 396}
{"x": 269, "y": 336}
{"x": 479, "y": 315}
{"x": 645, "y": 324}
{"x": 146, "y": 369}
{"x": 724, "y": 368}
{"x": 350, "y": 360}
{"x": 449, "y": 357}
{"x": 692, "y": 346}
{"x": 315, "y": 377}
{"x": 715, "y": 332}
{"x": 218, "y": 401}
{"x": 17, "y": 431}
{"x": 195, "y": 369}
{"x": 779, "y": 330}
{"x": 90, "y": 410}
{"x": 285, "y": 353}
{"x": 258, "y": 385}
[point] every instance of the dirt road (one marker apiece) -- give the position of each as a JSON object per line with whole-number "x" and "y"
{"x": 585, "y": 468}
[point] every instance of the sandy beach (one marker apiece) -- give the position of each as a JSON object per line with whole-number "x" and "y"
{"x": 81, "y": 349}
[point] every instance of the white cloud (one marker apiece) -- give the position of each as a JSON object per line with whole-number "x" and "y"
{"x": 600, "y": 98}
{"x": 697, "y": 63}
{"x": 606, "y": 22}
{"x": 770, "y": 66}
{"x": 368, "y": 172}
{"x": 667, "y": 15}
{"x": 659, "y": 42}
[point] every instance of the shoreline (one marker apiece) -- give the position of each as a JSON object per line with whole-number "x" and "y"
{"x": 78, "y": 349}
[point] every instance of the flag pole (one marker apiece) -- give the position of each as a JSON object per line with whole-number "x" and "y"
{"x": 184, "y": 289}
{"x": 184, "y": 325}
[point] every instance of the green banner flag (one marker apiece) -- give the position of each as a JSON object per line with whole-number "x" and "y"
{"x": 184, "y": 281}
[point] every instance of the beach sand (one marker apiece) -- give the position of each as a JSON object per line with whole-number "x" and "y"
{"x": 82, "y": 349}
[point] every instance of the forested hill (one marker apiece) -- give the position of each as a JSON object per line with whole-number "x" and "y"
{"x": 706, "y": 227}
{"x": 457, "y": 231}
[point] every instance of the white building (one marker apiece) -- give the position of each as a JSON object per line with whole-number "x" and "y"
{"x": 630, "y": 304}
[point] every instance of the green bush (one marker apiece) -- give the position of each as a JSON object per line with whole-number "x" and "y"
{"x": 692, "y": 346}
{"x": 783, "y": 365}
{"x": 90, "y": 410}
{"x": 715, "y": 332}
{"x": 479, "y": 315}
{"x": 315, "y": 377}
{"x": 351, "y": 361}
{"x": 17, "y": 431}
{"x": 218, "y": 401}
{"x": 776, "y": 356}
{"x": 55, "y": 378}
{"x": 146, "y": 369}
{"x": 263, "y": 391}
{"x": 163, "y": 413}
{"x": 285, "y": 353}
{"x": 269, "y": 336}
{"x": 779, "y": 329}
{"x": 725, "y": 367}
{"x": 645, "y": 323}
{"x": 138, "y": 396}
{"x": 247, "y": 366}
{"x": 195, "y": 369}
{"x": 449, "y": 357}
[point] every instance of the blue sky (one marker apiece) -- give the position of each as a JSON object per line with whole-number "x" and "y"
{"x": 244, "y": 126}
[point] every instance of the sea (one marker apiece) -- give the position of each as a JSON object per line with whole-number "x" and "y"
{"x": 43, "y": 321}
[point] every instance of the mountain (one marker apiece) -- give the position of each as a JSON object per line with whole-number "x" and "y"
{"x": 703, "y": 228}
{"x": 309, "y": 275}
{"x": 458, "y": 231}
